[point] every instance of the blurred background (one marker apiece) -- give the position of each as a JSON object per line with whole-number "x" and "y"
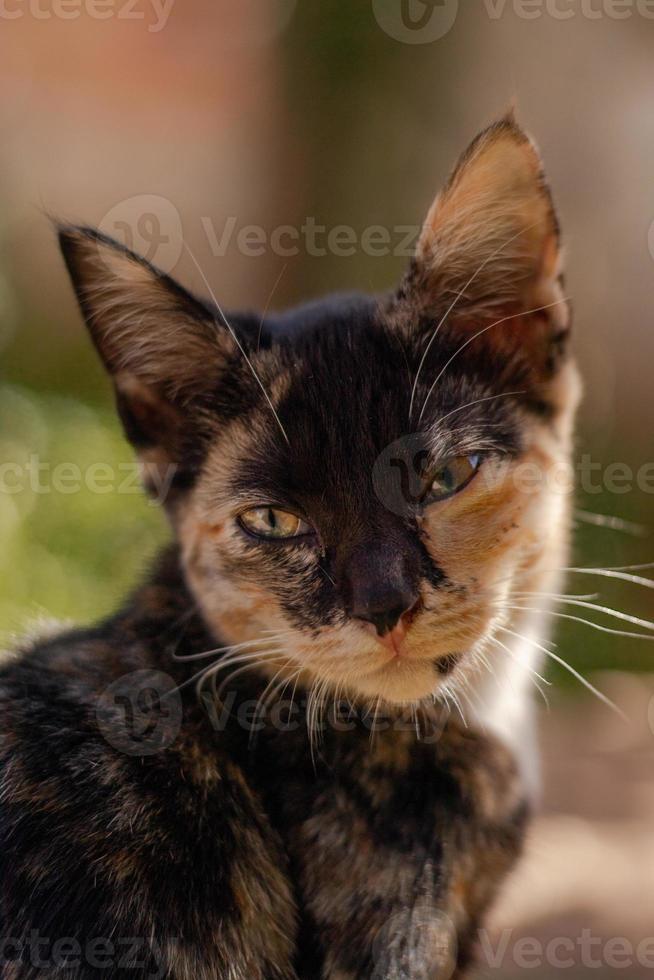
{"x": 253, "y": 130}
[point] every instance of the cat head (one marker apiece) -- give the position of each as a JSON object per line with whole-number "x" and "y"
{"x": 346, "y": 476}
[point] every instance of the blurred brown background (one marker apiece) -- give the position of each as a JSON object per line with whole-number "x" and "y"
{"x": 174, "y": 122}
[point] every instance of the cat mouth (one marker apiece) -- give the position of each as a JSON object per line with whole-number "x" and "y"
{"x": 395, "y": 640}
{"x": 410, "y": 678}
{"x": 445, "y": 665}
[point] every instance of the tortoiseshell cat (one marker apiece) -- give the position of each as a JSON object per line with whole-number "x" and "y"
{"x": 349, "y": 525}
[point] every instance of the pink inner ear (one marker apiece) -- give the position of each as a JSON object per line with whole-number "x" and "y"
{"x": 151, "y": 413}
{"x": 142, "y": 322}
{"x": 492, "y": 234}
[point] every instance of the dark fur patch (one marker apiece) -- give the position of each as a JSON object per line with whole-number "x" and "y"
{"x": 215, "y": 857}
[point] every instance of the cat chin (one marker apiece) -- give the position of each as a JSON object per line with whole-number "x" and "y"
{"x": 401, "y": 682}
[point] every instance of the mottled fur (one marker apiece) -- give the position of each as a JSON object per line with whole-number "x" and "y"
{"x": 241, "y": 850}
{"x": 227, "y": 859}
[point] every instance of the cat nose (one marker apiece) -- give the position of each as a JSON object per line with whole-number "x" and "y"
{"x": 380, "y": 580}
{"x": 385, "y": 615}
{"x": 382, "y": 587}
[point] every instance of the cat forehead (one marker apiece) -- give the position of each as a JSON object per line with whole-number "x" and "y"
{"x": 341, "y": 313}
{"x": 339, "y": 378}
{"x": 337, "y": 396}
{"x": 334, "y": 423}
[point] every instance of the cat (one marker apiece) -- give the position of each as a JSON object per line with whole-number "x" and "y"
{"x": 350, "y": 534}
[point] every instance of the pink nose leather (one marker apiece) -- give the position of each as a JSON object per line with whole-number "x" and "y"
{"x": 394, "y": 639}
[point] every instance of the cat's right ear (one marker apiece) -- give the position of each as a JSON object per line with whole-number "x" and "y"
{"x": 489, "y": 251}
{"x": 163, "y": 348}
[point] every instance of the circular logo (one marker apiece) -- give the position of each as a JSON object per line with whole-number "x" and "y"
{"x": 253, "y": 22}
{"x": 416, "y": 21}
{"x": 149, "y": 225}
{"x": 399, "y": 473}
{"x": 140, "y": 713}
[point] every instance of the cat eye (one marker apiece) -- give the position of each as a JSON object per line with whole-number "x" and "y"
{"x": 274, "y": 523}
{"x": 453, "y": 476}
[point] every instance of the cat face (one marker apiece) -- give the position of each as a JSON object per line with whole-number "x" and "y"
{"x": 350, "y": 482}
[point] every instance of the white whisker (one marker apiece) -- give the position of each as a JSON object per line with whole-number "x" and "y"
{"x": 575, "y": 673}
{"x": 238, "y": 343}
{"x": 586, "y": 622}
{"x": 589, "y": 597}
{"x": 268, "y": 302}
{"x": 535, "y": 677}
{"x": 457, "y": 704}
{"x": 612, "y": 523}
{"x": 478, "y": 401}
{"x": 524, "y": 666}
{"x": 615, "y": 573}
{"x": 630, "y": 568}
{"x": 479, "y": 333}
{"x": 582, "y": 604}
{"x": 200, "y": 674}
{"x": 254, "y": 659}
{"x": 217, "y": 650}
{"x": 451, "y": 307}
{"x": 249, "y": 662}
{"x": 373, "y": 728}
{"x": 269, "y": 692}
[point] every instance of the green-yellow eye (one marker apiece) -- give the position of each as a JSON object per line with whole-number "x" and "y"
{"x": 453, "y": 476}
{"x": 271, "y": 522}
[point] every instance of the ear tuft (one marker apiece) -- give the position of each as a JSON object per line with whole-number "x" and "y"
{"x": 162, "y": 347}
{"x": 491, "y": 238}
{"x": 142, "y": 322}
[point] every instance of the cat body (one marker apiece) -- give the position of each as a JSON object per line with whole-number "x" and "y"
{"x": 364, "y": 497}
{"x": 224, "y": 855}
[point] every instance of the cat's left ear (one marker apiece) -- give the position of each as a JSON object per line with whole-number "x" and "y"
{"x": 167, "y": 353}
{"x": 490, "y": 246}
